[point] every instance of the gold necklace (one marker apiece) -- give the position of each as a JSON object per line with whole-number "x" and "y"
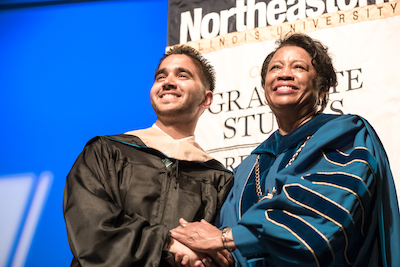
{"x": 257, "y": 173}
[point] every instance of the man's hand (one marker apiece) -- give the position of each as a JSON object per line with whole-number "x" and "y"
{"x": 184, "y": 256}
{"x": 221, "y": 258}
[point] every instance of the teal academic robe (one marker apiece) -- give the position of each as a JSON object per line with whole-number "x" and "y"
{"x": 334, "y": 205}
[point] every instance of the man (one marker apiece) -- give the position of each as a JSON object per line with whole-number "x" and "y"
{"x": 125, "y": 192}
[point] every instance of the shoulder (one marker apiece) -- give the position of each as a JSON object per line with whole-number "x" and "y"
{"x": 345, "y": 118}
{"x": 349, "y": 132}
{"x": 216, "y": 165}
{"x": 106, "y": 146}
{"x": 342, "y": 124}
{"x": 102, "y": 140}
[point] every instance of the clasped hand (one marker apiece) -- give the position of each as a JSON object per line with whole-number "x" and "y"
{"x": 204, "y": 240}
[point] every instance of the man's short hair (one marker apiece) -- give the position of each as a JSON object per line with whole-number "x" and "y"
{"x": 206, "y": 70}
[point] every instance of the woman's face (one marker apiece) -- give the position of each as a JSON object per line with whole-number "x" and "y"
{"x": 290, "y": 81}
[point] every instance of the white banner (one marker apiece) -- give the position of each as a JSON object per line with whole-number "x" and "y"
{"x": 364, "y": 43}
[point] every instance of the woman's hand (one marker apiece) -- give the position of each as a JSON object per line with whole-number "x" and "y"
{"x": 201, "y": 236}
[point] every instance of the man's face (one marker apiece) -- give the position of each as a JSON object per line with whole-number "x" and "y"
{"x": 177, "y": 89}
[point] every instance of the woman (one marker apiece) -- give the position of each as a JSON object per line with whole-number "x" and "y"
{"x": 318, "y": 191}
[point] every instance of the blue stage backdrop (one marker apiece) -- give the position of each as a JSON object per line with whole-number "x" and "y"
{"x": 69, "y": 70}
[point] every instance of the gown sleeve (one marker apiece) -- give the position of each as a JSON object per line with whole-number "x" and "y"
{"x": 100, "y": 233}
{"x": 332, "y": 203}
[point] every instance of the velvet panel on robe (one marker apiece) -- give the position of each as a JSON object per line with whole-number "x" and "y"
{"x": 335, "y": 205}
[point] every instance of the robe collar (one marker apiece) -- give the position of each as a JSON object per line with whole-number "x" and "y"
{"x": 277, "y": 143}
